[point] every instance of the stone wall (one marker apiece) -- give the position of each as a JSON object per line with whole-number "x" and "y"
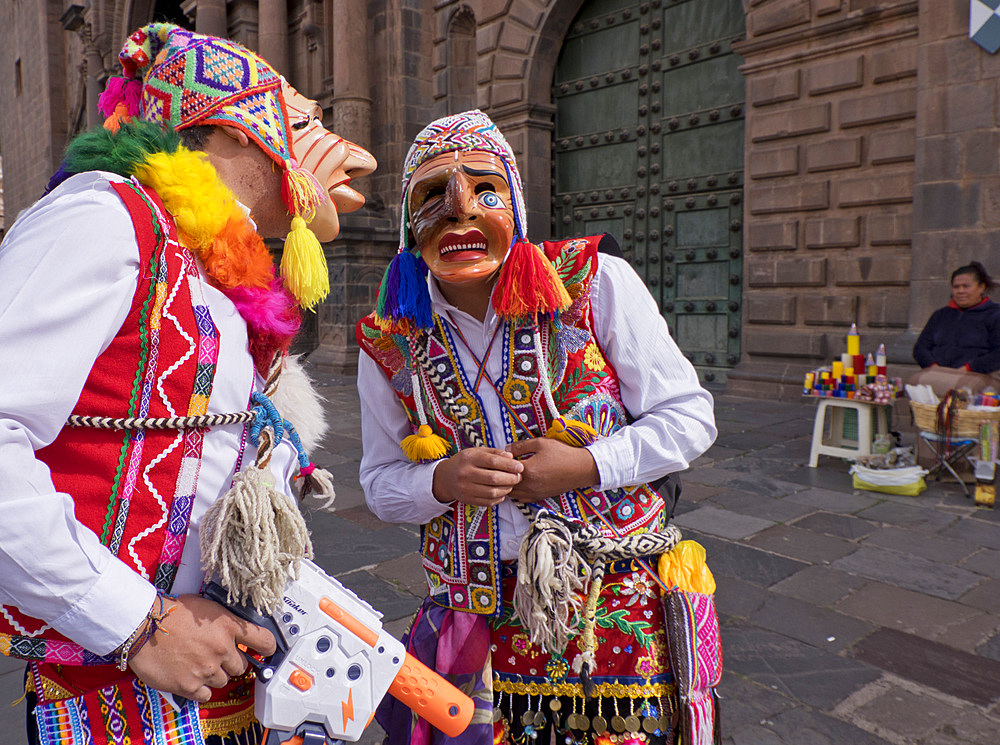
{"x": 32, "y": 88}
{"x": 832, "y": 102}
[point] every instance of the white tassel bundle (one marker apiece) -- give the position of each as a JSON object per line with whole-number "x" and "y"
{"x": 552, "y": 578}
{"x": 252, "y": 539}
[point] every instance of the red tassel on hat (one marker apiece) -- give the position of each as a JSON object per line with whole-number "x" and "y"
{"x": 528, "y": 285}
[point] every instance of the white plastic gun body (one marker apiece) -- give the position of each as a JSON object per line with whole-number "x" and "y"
{"x": 335, "y": 663}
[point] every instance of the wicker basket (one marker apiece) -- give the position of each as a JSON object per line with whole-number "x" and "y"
{"x": 964, "y": 423}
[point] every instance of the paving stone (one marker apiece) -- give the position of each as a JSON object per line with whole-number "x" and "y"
{"x": 14, "y": 710}
{"x": 746, "y": 703}
{"x": 819, "y": 585}
{"x": 831, "y": 475}
{"x": 966, "y": 676}
{"x": 753, "y": 440}
{"x": 820, "y": 627}
{"x": 734, "y": 597}
{"x": 810, "y": 675}
{"x": 776, "y": 509}
{"x": 760, "y": 485}
{"x": 985, "y": 596}
{"x": 974, "y": 532}
{"x": 803, "y": 726}
{"x": 971, "y": 727}
{"x": 834, "y": 501}
{"x": 340, "y": 547}
{"x": 722, "y": 522}
{"x": 801, "y": 544}
{"x": 757, "y": 567}
{"x": 794, "y": 451}
{"x": 842, "y": 526}
{"x": 693, "y": 493}
{"x": 405, "y": 573}
{"x": 912, "y": 612}
{"x": 907, "y": 713}
{"x": 908, "y": 571}
{"x": 895, "y": 512}
{"x": 920, "y": 543}
{"x": 710, "y": 476}
{"x": 796, "y": 428}
{"x": 985, "y": 561}
{"x": 989, "y": 648}
{"x": 383, "y": 596}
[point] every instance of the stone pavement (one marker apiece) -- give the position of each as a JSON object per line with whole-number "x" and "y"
{"x": 848, "y": 617}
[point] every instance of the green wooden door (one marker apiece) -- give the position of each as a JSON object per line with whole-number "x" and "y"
{"x": 649, "y": 147}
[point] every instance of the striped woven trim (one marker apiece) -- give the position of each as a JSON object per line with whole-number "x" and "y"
{"x": 173, "y": 422}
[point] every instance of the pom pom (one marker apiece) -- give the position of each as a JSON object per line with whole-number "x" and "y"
{"x": 528, "y": 285}
{"x": 572, "y": 432}
{"x": 425, "y": 445}
{"x": 120, "y": 116}
{"x": 120, "y": 92}
{"x": 303, "y": 266}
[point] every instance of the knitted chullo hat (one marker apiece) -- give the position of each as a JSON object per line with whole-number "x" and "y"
{"x": 183, "y": 79}
{"x": 527, "y": 286}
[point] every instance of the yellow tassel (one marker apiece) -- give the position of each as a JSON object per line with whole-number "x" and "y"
{"x": 684, "y": 567}
{"x": 303, "y": 266}
{"x": 425, "y": 445}
{"x": 572, "y": 432}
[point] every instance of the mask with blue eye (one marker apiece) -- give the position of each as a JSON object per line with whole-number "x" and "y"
{"x": 491, "y": 200}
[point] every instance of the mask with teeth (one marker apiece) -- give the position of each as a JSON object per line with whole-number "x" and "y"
{"x": 462, "y": 215}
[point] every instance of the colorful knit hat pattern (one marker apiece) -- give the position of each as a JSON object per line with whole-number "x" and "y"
{"x": 528, "y": 284}
{"x": 183, "y": 79}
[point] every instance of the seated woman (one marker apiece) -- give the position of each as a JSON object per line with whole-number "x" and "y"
{"x": 960, "y": 345}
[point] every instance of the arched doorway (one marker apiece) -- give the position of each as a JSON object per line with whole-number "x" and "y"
{"x": 648, "y": 146}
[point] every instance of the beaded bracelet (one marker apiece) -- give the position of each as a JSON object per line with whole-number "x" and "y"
{"x": 152, "y": 623}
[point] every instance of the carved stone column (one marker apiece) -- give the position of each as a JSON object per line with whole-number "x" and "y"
{"x": 352, "y": 104}
{"x": 272, "y": 33}
{"x": 211, "y": 18}
{"x": 95, "y": 76}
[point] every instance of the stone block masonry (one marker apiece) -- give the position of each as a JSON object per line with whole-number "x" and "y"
{"x": 832, "y": 102}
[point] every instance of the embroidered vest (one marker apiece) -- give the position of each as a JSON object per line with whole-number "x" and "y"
{"x": 134, "y": 490}
{"x": 461, "y": 548}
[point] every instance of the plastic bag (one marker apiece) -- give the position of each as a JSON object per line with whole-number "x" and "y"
{"x": 907, "y": 482}
{"x": 684, "y": 567}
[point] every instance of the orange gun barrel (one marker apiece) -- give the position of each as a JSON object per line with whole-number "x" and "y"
{"x": 432, "y": 697}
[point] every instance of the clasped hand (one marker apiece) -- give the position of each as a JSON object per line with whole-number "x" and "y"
{"x": 195, "y": 649}
{"x": 527, "y": 471}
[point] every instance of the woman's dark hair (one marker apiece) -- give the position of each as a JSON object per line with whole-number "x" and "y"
{"x": 977, "y": 270}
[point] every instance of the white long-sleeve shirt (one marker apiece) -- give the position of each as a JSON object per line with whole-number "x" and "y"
{"x": 673, "y": 418}
{"x": 68, "y": 272}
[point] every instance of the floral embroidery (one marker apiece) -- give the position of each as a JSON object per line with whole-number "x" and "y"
{"x": 521, "y": 644}
{"x": 646, "y": 666}
{"x": 516, "y": 391}
{"x": 557, "y": 669}
{"x": 592, "y": 357}
{"x": 637, "y": 588}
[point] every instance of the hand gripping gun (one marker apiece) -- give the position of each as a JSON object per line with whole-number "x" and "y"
{"x": 334, "y": 664}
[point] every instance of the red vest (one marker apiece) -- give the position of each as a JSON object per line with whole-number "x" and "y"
{"x": 134, "y": 490}
{"x": 460, "y": 548}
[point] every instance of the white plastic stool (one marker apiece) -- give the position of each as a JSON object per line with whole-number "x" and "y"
{"x": 872, "y": 418}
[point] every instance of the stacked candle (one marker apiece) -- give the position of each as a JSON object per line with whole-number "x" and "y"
{"x": 844, "y": 376}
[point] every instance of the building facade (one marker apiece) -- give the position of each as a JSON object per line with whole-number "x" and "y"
{"x": 775, "y": 170}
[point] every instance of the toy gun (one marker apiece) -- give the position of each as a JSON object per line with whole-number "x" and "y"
{"x": 333, "y": 665}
